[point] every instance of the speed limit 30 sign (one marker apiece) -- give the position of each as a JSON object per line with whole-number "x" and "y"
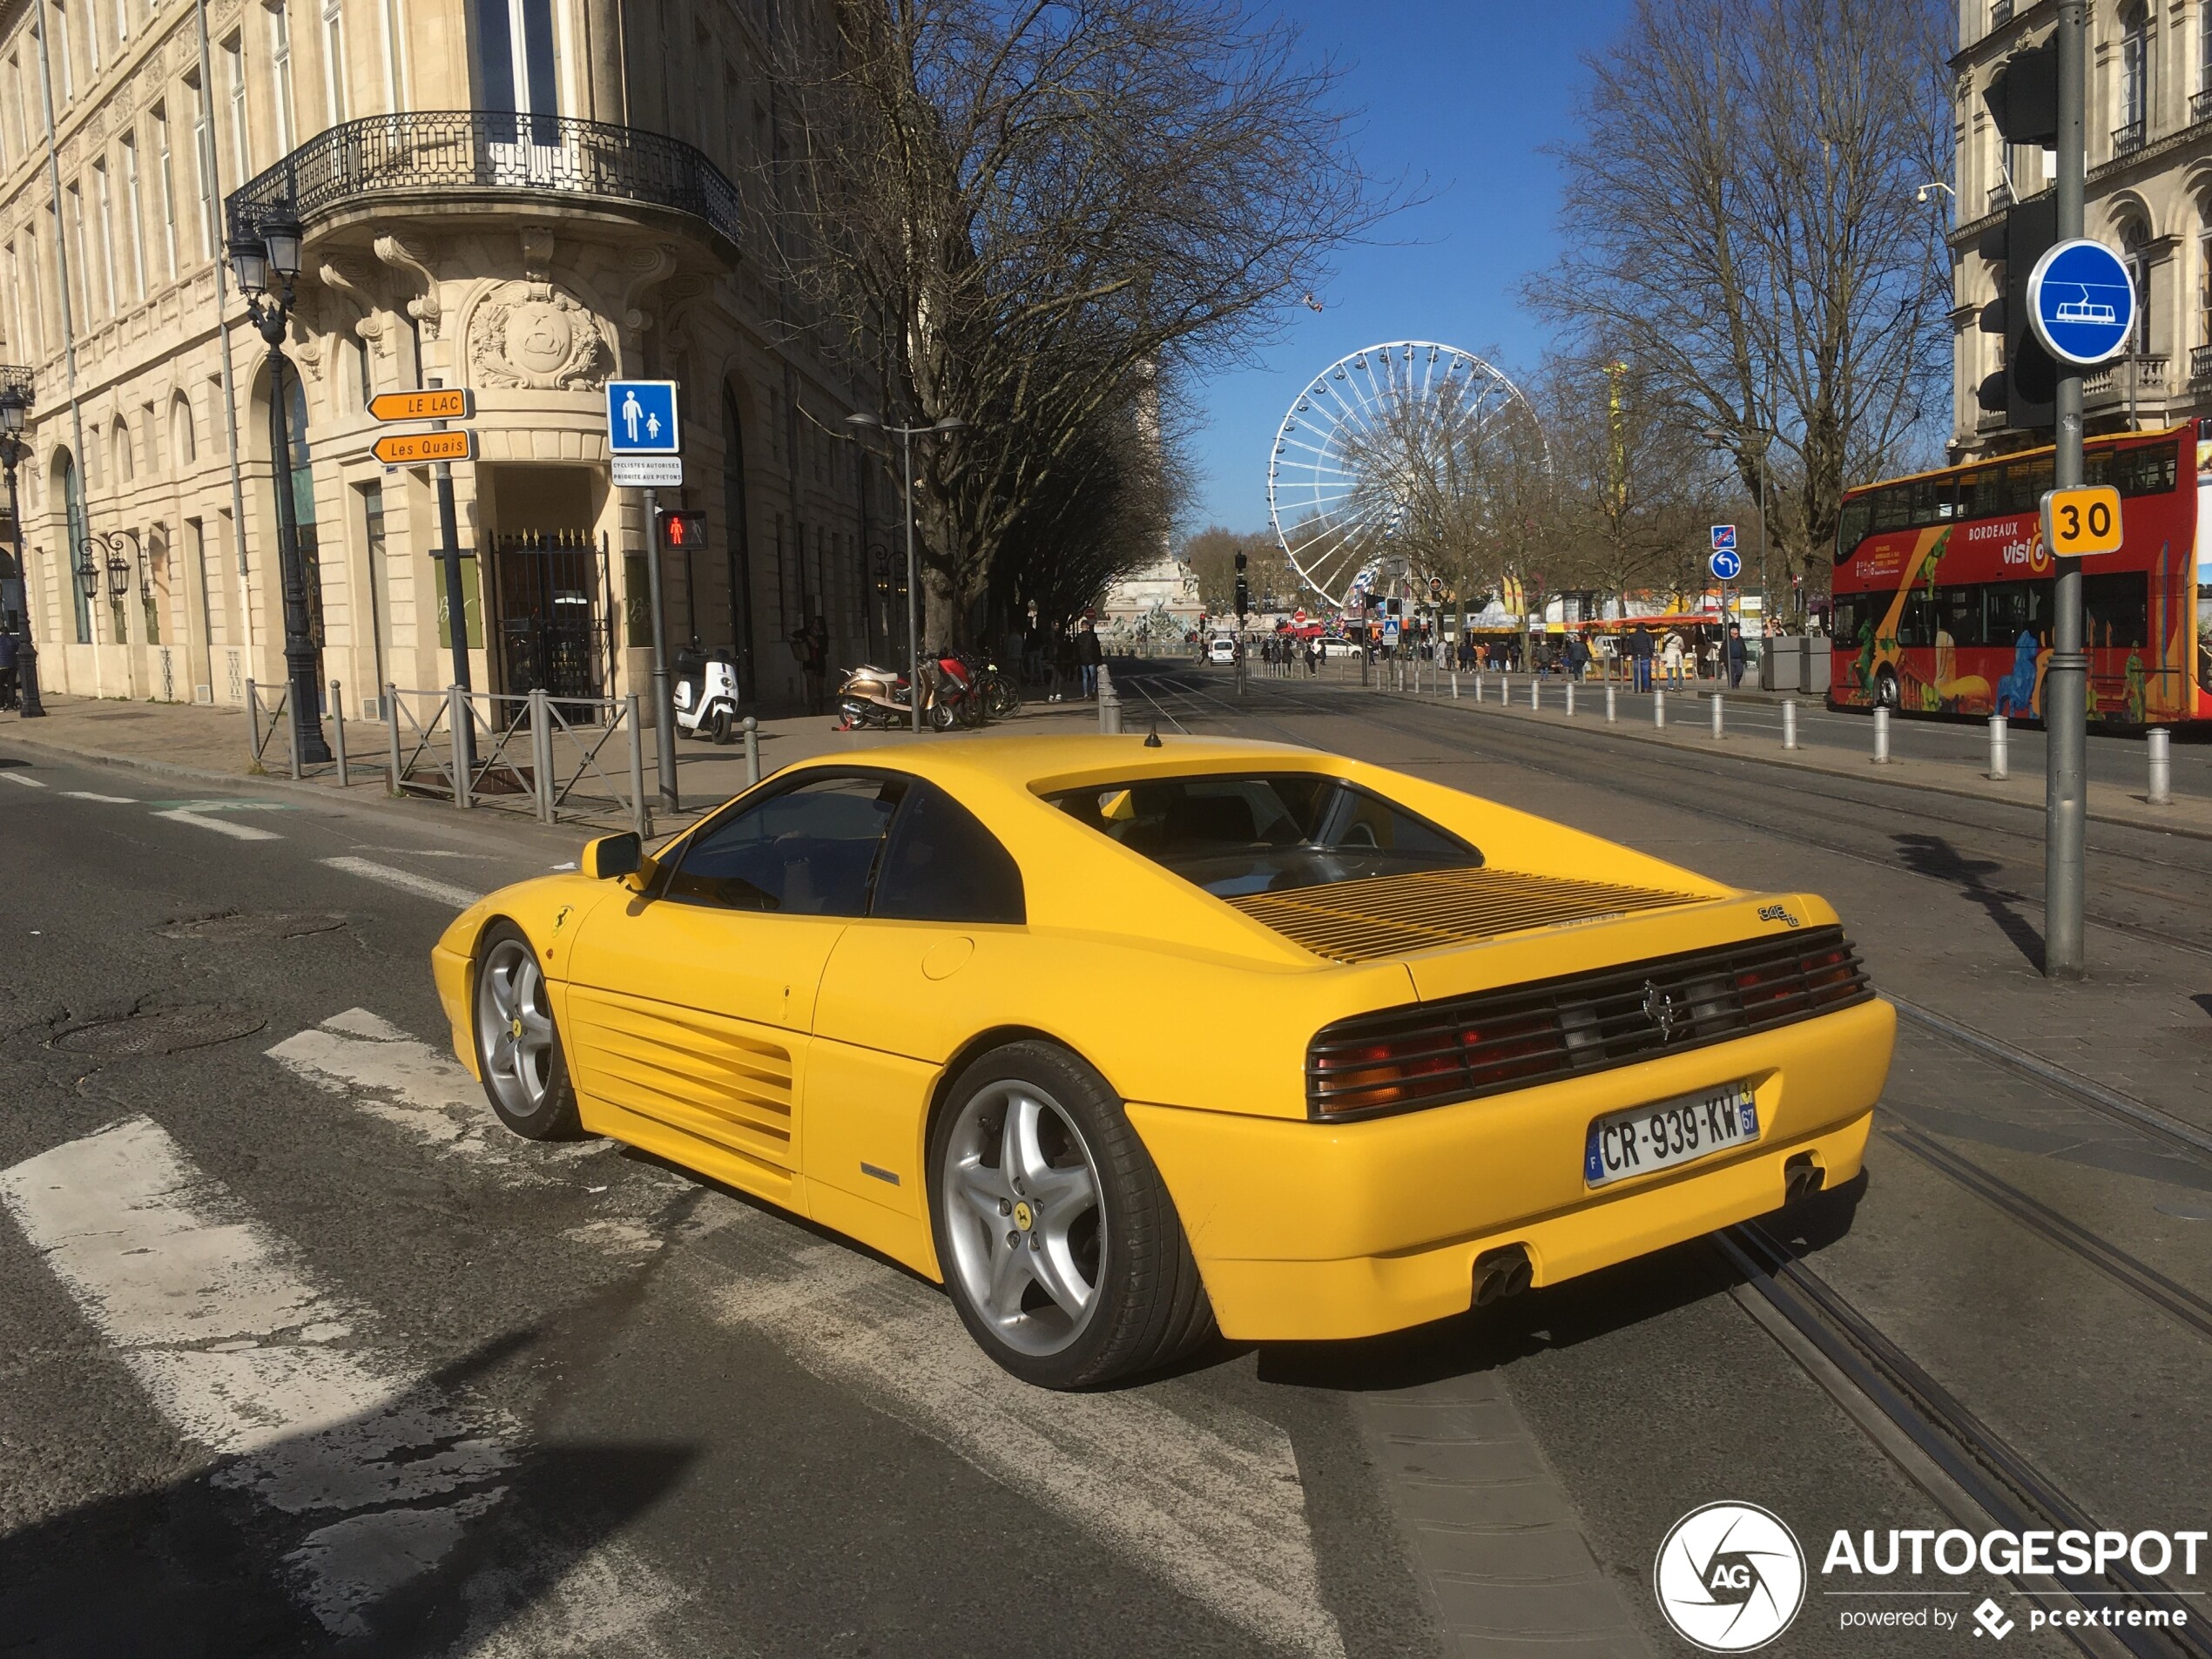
{"x": 2081, "y": 520}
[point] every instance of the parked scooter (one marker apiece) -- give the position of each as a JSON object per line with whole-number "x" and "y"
{"x": 879, "y": 697}
{"x": 706, "y": 693}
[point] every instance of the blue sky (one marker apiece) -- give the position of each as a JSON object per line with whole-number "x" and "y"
{"x": 1467, "y": 94}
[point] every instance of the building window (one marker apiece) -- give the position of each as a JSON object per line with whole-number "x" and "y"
{"x": 122, "y": 21}
{"x": 73, "y": 506}
{"x": 105, "y": 202}
{"x": 280, "y": 75}
{"x": 126, "y": 458}
{"x": 183, "y": 443}
{"x": 333, "y": 61}
{"x": 16, "y": 111}
{"x": 2134, "y": 81}
{"x": 69, "y": 68}
{"x": 203, "y": 163}
{"x": 76, "y": 238}
{"x": 395, "y": 58}
{"x": 515, "y": 65}
{"x": 167, "y": 182}
{"x": 235, "y": 85}
{"x": 132, "y": 211}
{"x": 2135, "y": 254}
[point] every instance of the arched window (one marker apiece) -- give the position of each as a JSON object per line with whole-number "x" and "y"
{"x": 2134, "y": 79}
{"x": 183, "y": 444}
{"x": 73, "y": 507}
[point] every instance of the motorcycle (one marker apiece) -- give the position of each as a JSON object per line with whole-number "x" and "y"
{"x": 880, "y": 697}
{"x": 706, "y": 693}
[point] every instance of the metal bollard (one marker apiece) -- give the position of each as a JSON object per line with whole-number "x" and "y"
{"x": 338, "y": 729}
{"x": 392, "y": 725}
{"x": 542, "y": 753}
{"x": 1535, "y": 685}
{"x": 456, "y": 713}
{"x": 1612, "y": 703}
{"x": 1718, "y": 727}
{"x": 1110, "y": 712}
{"x": 1570, "y": 699}
{"x": 1658, "y": 706}
{"x": 1789, "y": 722}
{"x": 752, "y": 750}
{"x": 291, "y": 737}
{"x": 254, "y": 724}
{"x": 640, "y": 818}
{"x": 1881, "y": 737}
{"x": 1998, "y": 770}
{"x": 1478, "y": 687}
{"x": 1455, "y": 685}
{"x": 2161, "y": 766}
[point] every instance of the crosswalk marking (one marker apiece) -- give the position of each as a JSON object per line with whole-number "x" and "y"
{"x": 17, "y": 777}
{"x": 221, "y": 825}
{"x": 423, "y": 887}
{"x": 243, "y": 1352}
{"x": 389, "y": 1074}
{"x": 111, "y": 800}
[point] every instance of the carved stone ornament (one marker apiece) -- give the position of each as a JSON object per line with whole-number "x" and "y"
{"x": 530, "y": 335}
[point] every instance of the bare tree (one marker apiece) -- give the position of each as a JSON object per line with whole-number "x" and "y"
{"x": 1211, "y": 555}
{"x": 1026, "y": 213}
{"x": 1741, "y": 223}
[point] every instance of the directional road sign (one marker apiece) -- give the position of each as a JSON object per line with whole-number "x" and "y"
{"x": 1726, "y": 563}
{"x": 1724, "y": 538}
{"x": 2081, "y": 303}
{"x": 2082, "y": 520}
{"x": 420, "y": 448}
{"x": 641, "y": 418}
{"x": 457, "y": 404}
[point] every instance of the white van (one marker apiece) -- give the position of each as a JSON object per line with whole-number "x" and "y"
{"x": 1222, "y": 649}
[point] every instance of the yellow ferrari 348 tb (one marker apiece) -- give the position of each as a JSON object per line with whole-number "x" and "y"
{"x": 1123, "y": 1042}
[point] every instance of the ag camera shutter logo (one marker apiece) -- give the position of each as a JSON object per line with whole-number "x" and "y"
{"x": 1729, "y": 1577}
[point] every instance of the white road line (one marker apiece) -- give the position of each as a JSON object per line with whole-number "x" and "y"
{"x": 1209, "y": 1502}
{"x": 407, "y": 881}
{"x": 17, "y": 777}
{"x": 244, "y": 1353}
{"x": 221, "y": 826}
{"x": 113, "y": 800}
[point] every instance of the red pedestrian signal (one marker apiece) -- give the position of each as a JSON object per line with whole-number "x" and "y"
{"x": 682, "y": 530}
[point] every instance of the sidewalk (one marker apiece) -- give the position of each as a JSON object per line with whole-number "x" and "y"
{"x": 214, "y": 746}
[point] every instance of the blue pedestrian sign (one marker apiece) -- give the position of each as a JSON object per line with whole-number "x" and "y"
{"x": 1726, "y": 563}
{"x": 641, "y": 418}
{"x": 1724, "y": 538}
{"x": 2081, "y": 302}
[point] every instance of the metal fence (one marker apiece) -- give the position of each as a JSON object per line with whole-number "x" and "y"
{"x": 553, "y": 759}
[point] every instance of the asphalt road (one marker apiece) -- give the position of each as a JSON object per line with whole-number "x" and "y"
{"x": 454, "y": 1394}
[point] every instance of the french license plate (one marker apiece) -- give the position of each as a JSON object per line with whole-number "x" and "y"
{"x": 1669, "y": 1132}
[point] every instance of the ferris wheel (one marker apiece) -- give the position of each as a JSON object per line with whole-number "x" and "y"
{"x": 1383, "y": 440}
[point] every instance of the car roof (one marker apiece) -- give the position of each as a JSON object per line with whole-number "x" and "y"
{"x": 1029, "y": 763}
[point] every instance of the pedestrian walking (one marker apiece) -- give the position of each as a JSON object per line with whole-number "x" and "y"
{"x": 1578, "y": 656}
{"x": 1639, "y": 644}
{"x": 1737, "y": 655}
{"x": 1671, "y": 657}
{"x": 1088, "y": 654}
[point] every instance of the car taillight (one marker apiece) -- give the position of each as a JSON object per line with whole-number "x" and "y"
{"x": 1387, "y": 1073}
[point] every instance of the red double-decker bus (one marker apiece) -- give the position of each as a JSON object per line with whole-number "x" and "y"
{"x": 1944, "y": 589}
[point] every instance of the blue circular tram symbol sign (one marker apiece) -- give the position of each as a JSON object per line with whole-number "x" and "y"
{"x": 2081, "y": 302}
{"x": 1726, "y": 563}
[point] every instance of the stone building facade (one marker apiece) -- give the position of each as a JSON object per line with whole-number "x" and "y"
{"x": 519, "y": 196}
{"x": 2149, "y": 195}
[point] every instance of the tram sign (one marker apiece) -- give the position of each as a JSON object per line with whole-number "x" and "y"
{"x": 420, "y": 449}
{"x": 2082, "y": 302}
{"x": 456, "y": 404}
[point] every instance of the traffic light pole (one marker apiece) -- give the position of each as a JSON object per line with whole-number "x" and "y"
{"x": 2065, "y": 678}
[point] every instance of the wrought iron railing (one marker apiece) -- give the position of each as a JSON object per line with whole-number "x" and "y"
{"x": 2000, "y": 13}
{"x": 2200, "y": 105}
{"x": 2199, "y": 367}
{"x": 439, "y": 153}
{"x": 2126, "y": 139}
{"x": 2000, "y": 196}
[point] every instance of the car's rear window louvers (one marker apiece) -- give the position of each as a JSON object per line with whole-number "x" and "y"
{"x": 1435, "y": 1053}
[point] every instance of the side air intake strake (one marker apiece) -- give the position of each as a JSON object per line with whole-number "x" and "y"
{"x": 1434, "y": 1053}
{"x": 1392, "y": 916}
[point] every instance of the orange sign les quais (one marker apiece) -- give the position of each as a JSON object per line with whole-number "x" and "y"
{"x": 420, "y": 448}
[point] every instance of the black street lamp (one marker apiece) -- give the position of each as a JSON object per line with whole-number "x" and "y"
{"x": 253, "y": 260}
{"x": 15, "y": 402}
{"x": 905, "y": 436}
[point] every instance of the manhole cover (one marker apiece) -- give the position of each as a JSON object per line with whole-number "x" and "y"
{"x": 159, "y": 1031}
{"x": 253, "y": 927}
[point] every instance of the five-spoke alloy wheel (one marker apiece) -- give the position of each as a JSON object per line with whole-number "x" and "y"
{"x": 518, "y": 1048}
{"x": 1059, "y": 1242}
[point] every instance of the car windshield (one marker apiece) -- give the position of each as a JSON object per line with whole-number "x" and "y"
{"x": 1266, "y": 831}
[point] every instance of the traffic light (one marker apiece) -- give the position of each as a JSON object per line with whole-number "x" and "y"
{"x": 2026, "y": 389}
{"x": 2023, "y": 95}
{"x": 1244, "y": 597}
{"x": 1240, "y": 564}
{"x": 682, "y": 530}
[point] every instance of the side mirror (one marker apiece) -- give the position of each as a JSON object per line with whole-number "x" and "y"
{"x": 610, "y": 856}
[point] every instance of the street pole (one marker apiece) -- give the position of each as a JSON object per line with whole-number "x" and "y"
{"x": 2066, "y": 678}
{"x": 664, "y": 705}
{"x": 300, "y": 652}
{"x": 913, "y": 624}
{"x": 464, "y": 736}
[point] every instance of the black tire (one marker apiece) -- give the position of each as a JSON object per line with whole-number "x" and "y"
{"x": 942, "y": 716}
{"x": 1150, "y": 1307}
{"x": 534, "y": 1110}
{"x": 1006, "y": 697}
{"x": 1886, "y": 692}
{"x": 718, "y": 726}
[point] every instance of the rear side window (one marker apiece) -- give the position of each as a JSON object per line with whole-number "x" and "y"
{"x": 942, "y": 865}
{"x": 808, "y": 851}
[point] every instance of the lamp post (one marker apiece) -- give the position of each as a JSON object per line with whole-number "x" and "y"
{"x": 1735, "y": 442}
{"x": 253, "y": 260}
{"x": 905, "y": 436}
{"x": 15, "y": 402}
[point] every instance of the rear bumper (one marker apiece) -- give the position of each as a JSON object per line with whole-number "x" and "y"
{"x": 1313, "y": 1231}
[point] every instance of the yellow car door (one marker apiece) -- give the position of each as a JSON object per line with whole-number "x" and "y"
{"x": 690, "y": 1005}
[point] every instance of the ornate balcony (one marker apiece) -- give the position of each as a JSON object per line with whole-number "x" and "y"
{"x": 437, "y": 155}
{"x": 2125, "y": 140}
{"x": 2000, "y": 196}
{"x": 2000, "y": 13}
{"x": 2112, "y": 383}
